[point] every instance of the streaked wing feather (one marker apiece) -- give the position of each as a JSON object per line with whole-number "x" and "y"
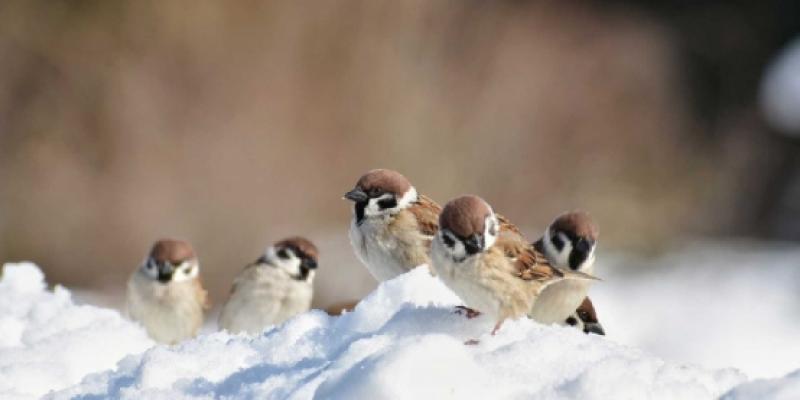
{"x": 426, "y": 212}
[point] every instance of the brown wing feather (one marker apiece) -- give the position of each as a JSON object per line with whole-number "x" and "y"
{"x": 426, "y": 212}
{"x": 529, "y": 264}
{"x": 507, "y": 226}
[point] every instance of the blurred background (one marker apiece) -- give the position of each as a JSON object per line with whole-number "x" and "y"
{"x": 234, "y": 124}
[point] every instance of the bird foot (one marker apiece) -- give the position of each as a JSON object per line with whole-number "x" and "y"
{"x": 466, "y": 311}
{"x": 471, "y": 342}
{"x": 497, "y": 327}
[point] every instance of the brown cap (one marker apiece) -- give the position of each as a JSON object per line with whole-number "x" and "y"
{"x": 576, "y": 223}
{"x": 385, "y": 180}
{"x": 172, "y": 250}
{"x": 301, "y": 246}
{"x": 465, "y": 216}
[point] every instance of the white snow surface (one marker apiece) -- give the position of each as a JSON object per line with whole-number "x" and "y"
{"x": 401, "y": 342}
{"x": 787, "y": 388}
{"x": 732, "y": 304}
{"x": 48, "y": 343}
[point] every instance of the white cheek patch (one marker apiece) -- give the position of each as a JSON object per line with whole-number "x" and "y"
{"x": 150, "y": 269}
{"x": 559, "y": 258}
{"x": 490, "y": 231}
{"x": 373, "y": 209}
{"x": 187, "y": 270}
{"x": 290, "y": 265}
{"x": 409, "y": 197}
{"x": 458, "y": 252}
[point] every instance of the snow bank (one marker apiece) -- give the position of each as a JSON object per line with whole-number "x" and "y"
{"x": 402, "y": 342}
{"x": 787, "y": 388}
{"x": 49, "y": 343}
{"x": 712, "y": 304}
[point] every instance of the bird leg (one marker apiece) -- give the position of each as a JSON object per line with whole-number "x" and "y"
{"x": 468, "y": 312}
{"x": 497, "y": 327}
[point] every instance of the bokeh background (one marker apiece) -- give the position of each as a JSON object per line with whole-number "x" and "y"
{"x": 234, "y": 124}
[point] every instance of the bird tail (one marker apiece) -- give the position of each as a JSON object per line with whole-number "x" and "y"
{"x": 568, "y": 274}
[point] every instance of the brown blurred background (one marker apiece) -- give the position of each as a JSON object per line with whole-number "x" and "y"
{"x": 234, "y": 124}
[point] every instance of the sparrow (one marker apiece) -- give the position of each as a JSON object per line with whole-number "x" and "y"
{"x": 165, "y": 294}
{"x": 274, "y": 288}
{"x": 490, "y": 265}
{"x": 568, "y": 243}
{"x": 392, "y": 225}
{"x": 585, "y": 319}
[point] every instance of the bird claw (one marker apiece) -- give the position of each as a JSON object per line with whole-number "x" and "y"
{"x": 466, "y": 311}
{"x": 471, "y": 342}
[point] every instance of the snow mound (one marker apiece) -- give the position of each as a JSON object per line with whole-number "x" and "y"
{"x": 717, "y": 305}
{"x": 402, "y": 342}
{"x": 787, "y": 388}
{"x": 49, "y": 343}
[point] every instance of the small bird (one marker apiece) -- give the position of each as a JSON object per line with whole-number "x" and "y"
{"x": 488, "y": 264}
{"x": 568, "y": 243}
{"x": 276, "y": 287}
{"x": 585, "y": 319}
{"x": 165, "y": 294}
{"x": 392, "y": 225}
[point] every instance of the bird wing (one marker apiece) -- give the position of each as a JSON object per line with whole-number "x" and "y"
{"x": 528, "y": 263}
{"x": 426, "y": 212}
{"x": 506, "y": 226}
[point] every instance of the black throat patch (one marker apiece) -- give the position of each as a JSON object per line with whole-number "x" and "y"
{"x": 576, "y": 258}
{"x": 359, "y": 209}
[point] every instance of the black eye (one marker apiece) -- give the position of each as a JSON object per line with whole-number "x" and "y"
{"x": 571, "y": 321}
{"x": 557, "y": 242}
{"x": 387, "y": 203}
{"x": 448, "y": 240}
{"x": 282, "y": 253}
{"x": 375, "y": 192}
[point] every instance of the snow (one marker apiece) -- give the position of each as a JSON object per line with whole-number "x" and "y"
{"x": 48, "y": 343}
{"x": 780, "y": 90}
{"x": 787, "y": 388}
{"x": 713, "y": 304}
{"x": 403, "y": 341}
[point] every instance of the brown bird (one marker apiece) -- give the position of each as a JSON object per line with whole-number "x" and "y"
{"x": 568, "y": 243}
{"x": 165, "y": 294}
{"x": 392, "y": 225}
{"x": 585, "y": 319}
{"x": 490, "y": 266}
{"x": 276, "y": 287}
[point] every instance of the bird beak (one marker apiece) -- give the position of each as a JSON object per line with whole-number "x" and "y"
{"x": 594, "y": 327}
{"x": 165, "y": 271}
{"x": 357, "y": 195}
{"x": 474, "y": 244}
{"x": 309, "y": 264}
{"x": 584, "y": 245}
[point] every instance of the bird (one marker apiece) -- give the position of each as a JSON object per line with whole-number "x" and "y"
{"x": 274, "y": 288}
{"x": 392, "y": 225}
{"x": 569, "y": 243}
{"x": 489, "y": 264}
{"x": 165, "y": 294}
{"x": 585, "y": 319}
